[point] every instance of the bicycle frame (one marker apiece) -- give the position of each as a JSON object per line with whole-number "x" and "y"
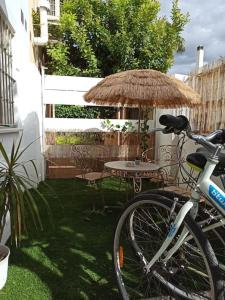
{"x": 215, "y": 196}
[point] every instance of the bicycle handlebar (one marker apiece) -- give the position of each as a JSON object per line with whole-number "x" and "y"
{"x": 217, "y": 137}
{"x": 202, "y": 140}
{"x": 181, "y": 123}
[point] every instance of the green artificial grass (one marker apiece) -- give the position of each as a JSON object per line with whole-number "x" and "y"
{"x": 73, "y": 258}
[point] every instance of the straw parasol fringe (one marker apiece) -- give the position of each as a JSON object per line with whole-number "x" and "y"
{"x": 142, "y": 88}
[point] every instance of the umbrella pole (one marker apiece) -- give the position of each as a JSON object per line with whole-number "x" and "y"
{"x": 139, "y": 129}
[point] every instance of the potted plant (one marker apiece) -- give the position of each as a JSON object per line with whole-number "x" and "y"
{"x": 17, "y": 200}
{"x": 4, "y": 257}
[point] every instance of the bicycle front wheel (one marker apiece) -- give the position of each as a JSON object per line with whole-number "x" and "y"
{"x": 191, "y": 273}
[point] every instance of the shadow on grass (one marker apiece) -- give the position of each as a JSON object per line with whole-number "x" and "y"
{"x": 73, "y": 260}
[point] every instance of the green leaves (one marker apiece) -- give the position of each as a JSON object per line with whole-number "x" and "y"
{"x": 18, "y": 194}
{"x": 98, "y": 38}
{"x": 127, "y": 127}
{"x": 144, "y": 130}
{"x": 87, "y": 112}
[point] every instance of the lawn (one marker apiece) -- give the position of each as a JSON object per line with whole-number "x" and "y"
{"x": 73, "y": 259}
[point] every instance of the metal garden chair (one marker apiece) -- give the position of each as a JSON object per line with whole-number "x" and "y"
{"x": 89, "y": 161}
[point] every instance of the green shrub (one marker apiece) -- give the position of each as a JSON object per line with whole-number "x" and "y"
{"x": 68, "y": 140}
{"x": 87, "y": 112}
{"x": 78, "y": 139}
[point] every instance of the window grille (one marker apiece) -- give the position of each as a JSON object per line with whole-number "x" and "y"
{"x": 54, "y": 12}
{"x": 52, "y": 7}
{"x": 6, "y": 80}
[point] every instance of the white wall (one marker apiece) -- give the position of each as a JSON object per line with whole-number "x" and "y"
{"x": 27, "y": 89}
{"x": 67, "y": 89}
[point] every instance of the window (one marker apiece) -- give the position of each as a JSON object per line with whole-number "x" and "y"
{"x": 52, "y": 7}
{"x": 6, "y": 80}
{"x": 54, "y": 12}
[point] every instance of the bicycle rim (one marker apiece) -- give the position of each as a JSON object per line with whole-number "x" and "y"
{"x": 187, "y": 274}
{"x": 208, "y": 217}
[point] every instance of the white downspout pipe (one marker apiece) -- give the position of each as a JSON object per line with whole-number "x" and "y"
{"x": 44, "y": 6}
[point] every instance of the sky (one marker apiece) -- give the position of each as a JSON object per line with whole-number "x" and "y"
{"x": 206, "y": 27}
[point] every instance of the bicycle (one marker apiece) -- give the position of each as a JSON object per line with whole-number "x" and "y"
{"x": 159, "y": 248}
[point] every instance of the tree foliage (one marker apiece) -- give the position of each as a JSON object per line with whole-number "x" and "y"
{"x": 101, "y": 37}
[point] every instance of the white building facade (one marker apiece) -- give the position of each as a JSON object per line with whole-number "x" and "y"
{"x": 20, "y": 83}
{"x": 25, "y": 87}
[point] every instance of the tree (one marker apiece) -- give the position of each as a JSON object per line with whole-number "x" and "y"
{"x": 101, "y": 37}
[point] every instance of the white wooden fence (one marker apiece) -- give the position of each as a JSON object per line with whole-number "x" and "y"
{"x": 68, "y": 90}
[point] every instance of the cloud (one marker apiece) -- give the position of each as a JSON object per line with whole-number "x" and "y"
{"x": 206, "y": 27}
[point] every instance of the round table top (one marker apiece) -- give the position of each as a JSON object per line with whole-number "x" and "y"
{"x": 130, "y": 166}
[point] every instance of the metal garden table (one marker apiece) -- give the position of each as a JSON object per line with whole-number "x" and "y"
{"x": 128, "y": 169}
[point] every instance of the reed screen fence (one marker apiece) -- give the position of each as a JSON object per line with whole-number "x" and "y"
{"x": 209, "y": 82}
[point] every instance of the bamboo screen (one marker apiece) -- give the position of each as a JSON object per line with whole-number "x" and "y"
{"x": 210, "y": 84}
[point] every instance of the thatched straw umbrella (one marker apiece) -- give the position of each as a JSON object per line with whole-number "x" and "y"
{"x": 142, "y": 88}
{"x": 145, "y": 88}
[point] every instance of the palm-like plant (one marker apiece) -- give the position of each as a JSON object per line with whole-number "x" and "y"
{"x": 16, "y": 196}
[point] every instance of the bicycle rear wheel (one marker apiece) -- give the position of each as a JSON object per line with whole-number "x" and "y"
{"x": 209, "y": 217}
{"x": 191, "y": 273}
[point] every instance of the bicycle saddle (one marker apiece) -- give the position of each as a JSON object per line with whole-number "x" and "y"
{"x": 198, "y": 160}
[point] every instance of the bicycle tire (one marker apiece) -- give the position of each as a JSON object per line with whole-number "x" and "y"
{"x": 154, "y": 285}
